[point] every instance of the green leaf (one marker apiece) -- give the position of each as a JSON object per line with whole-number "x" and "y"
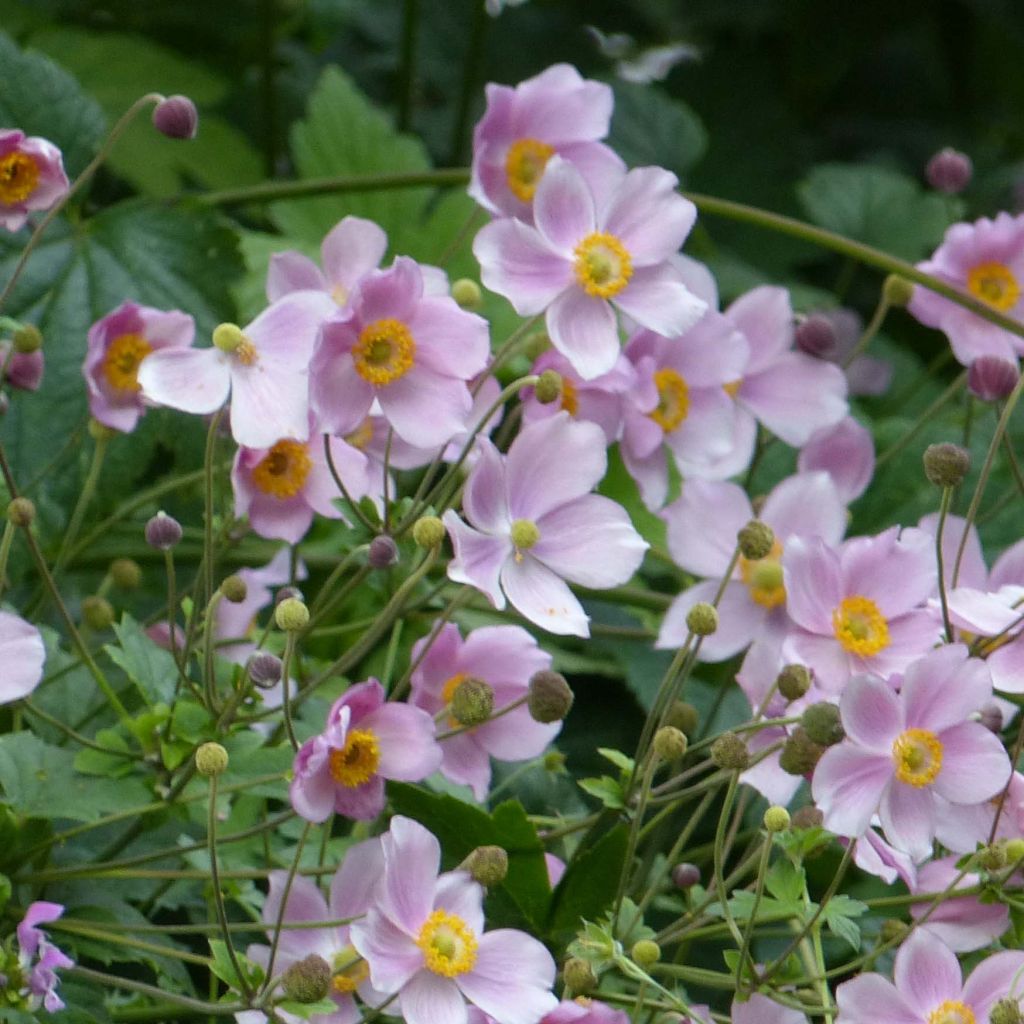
{"x": 224, "y": 968}
{"x": 875, "y": 205}
{"x": 588, "y": 886}
{"x": 618, "y": 758}
{"x": 648, "y": 128}
{"x": 838, "y": 914}
{"x": 147, "y": 665}
{"x": 741, "y": 904}
{"x": 40, "y": 98}
{"x": 307, "y": 1010}
{"x": 799, "y": 842}
{"x": 608, "y": 790}
{"x": 786, "y": 881}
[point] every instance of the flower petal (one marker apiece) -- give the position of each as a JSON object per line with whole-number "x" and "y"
{"x": 519, "y": 994}
{"x": 539, "y": 595}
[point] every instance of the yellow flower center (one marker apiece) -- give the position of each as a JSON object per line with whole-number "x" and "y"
{"x": 524, "y": 165}
{"x": 603, "y": 266}
{"x": 524, "y": 535}
{"x": 229, "y": 338}
{"x": 673, "y": 400}
{"x": 357, "y": 761}
{"x": 763, "y": 577}
{"x": 384, "y": 352}
{"x": 952, "y": 1011}
{"x": 283, "y": 470}
{"x": 859, "y": 626}
{"x": 361, "y": 436}
{"x": 121, "y": 363}
{"x": 19, "y": 175}
{"x": 350, "y": 971}
{"x": 732, "y": 389}
{"x": 917, "y": 755}
{"x": 994, "y": 284}
{"x": 448, "y": 692}
{"x": 570, "y": 397}
{"x": 448, "y": 944}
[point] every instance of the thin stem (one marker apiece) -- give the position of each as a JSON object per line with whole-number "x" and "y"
{"x": 208, "y": 551}
{"x": 111, "y": 981}
{"x": 947, "y": 495}
{"x": 340, "y": 484}
{"x": 276, "y": 937}
{"x": 84, "y": 499}
{"x": 762, "y": 871}
{"x": 286, "y": 703}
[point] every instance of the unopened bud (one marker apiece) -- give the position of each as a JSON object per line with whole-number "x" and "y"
{"x": 211, "y": 759}
{"x": 307, "y": 980}
{"x": 549, "y": 698}
{"x": 808, "y": 817}
{"x": 97, "y": 612}
{"x": 897, "y": 291}
{"x": 993, "y": 857}
{"x": 579, "y": 977}
{"x": 228, "y": 337}
{"x": 467, "y": 293}
{"x": 817, "y": 337}
{"x": 383, "y": 552}
{"x": 126, "y": 573}
{"x": 487, "y": 865}
{"x": 730, "y": 752}
{"x": 645, "y": 952}
{"x": 176, "y": 117}
{"x": 163, "y": 532}
{"x": 684, "y": 716}
{"x": 755, "y": 540}
{"x": 702, "y": 619}
{"x": 892, "y": 930}
{"x": 549, "y": 387}
{"x": 685, "y": 876}
{"x": 27, "y": 339}
{"x": 1014, "y": 850}
{"x": 264, "y": 669}
{"x": 794, "y": 681}
{"x": 800, "y": 754}
{"x": 776, "y": 819}
{"x": 823, "y": 724}
{"x": 946, "y": 464}
{"x": 428, "y": 532}
{"x": 992, "y": 378}
{"x": 472, "y": 702}
{"x": 554, "y": 762}
{"x": 25, "y": 370}
{"x": 291, "y": 615}
{"x": 949, "y": 171}
{"x": 21, "y": 512}
{"x": 1005, "y": 1011}
{"x": 669, "y": 743}
{"x": 233, "y": 588}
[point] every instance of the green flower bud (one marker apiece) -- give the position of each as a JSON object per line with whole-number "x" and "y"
{"x": 472, "y": 702}
{"x": 794, "y": 681}
{"x": 211, "y": 759}
{"x": 234, "y": 589}
{"x": 488, "y": 865}
{"x": 947, "y": 464}
{"x": 702, "y": 619}
{"x": 549, "y": 697}
{"x": 800, "y": 754}
{"x": 549, "y": 387}
{"x": 428, "y": 532}
{"x": 993, "y": 857}
{"x": 892, "y": 930}
{"x": 21, "y": 512}
{"x": 1005, "y": 1011}
{"x": 898, "y": 291}
{"x": 536, "y": 343}
{"x": 1014, "y": 850}
{"x": 776, "y": 819}
{"x": 684, "y": 716}
{"x": 467, "y": 293}
{"x": 579, "y": 977}
{"x": 97, "y": 612}
{"x": 291, "y": 615}
{"x": 645, "y": 953}
{"x": 670, "y": 743}
{"x": 27, "y": 339}
{"x": 823, "y": 724}
{"x": 554, "y": 762}
{"x": 755, "y": 540}
{"x": 307, "y": 980}
{"x": 730, "y": 752}
{"x": 126, "y": 573}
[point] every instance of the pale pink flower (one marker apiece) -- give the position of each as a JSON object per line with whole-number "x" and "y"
{"x": 31, "y": 177}
{"x": 759, "y": 1009}
{"x": 962, "y": 829}
{"x": 846, "y": 451}
{"x": 591, "y": 1011}
{"x": 22, "y": 654}
{"x": 39, "y": 958}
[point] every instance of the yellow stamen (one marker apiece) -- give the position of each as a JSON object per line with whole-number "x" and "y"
{"x": 282, "y": 472}
{"x": 361, "y": 436}
{"x": 570, "y": 397}
{"x": 859, "y": 626}
{"x": 994, "y": 284}
{"x": 763, "y": 577}
{"x": 732, "y": 389}
{"x": 350, "y": 971}
{"x": 448, "y": 691}
{"x": 603, "y": 265}
{"x": 673, "y": 399}
{"x": 357, "y": 761}
{"x": 448, "y": 944}
{"x": 19, "y": 176}
{"x": 524, "y": 534}
{"x": 917, "y": 755}
{"x": 952, "y": 1011}
{"x": 524, "y": 165}
{"x": 384, "y": 352}
{"x": 121, "y": 363}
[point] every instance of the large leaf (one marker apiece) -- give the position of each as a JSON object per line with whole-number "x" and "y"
{"x": 588, "y": 887}
{"x": 650, "y": 128}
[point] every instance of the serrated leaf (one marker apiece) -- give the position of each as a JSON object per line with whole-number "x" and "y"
{"x": 147, "y": 665}
{"x": 588, "y": 886}
{"x": 224, "y": 968}
{"x": 649, "y": 128}
{"x": 785, "y": 881}
{"x": 839, "y": 913}
{"x": 741, "y": 904}
{"x": 799, "y": 842}
{"x": 608, "y": 790}
{"x": 618, "y": 758}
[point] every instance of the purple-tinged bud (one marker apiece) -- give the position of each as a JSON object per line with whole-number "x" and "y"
{"x": 176, "y": 117}
{"x": 817, "y": 337}
{"x": 685, "y": 876}
{"x": 288, "y": 593}
{"x": 991, "y": 716}
{"x": 383, "y": 552}
{"x": 991, "y": 378}
{"x": 163, "y": 532}
{"x": 264, "y": 669}
{"x": 949, "y": 171}
{"x": 25, "y": 370}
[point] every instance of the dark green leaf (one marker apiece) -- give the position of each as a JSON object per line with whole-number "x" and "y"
{"x": 650, "y": 128}
{"x": 785, "y": 881}
{"x": 148, "y": 666}
{"x": 608, "y": 790}
{"x": 588, "y": 887}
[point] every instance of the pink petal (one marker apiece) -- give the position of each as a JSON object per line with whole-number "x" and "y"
{"x": 908, "y": 818}
{"x": 285, "y": 332}
{"x": 268, "y": 405}
{"x": 424, "y": 407}
{"x": 813, "y": 584}
{"x": 449, "y": 341}
{"x": 806, "y": 505}
{"x": 291, "y": 272}
{"x": 392, "y": 954}
{"x": 519, "y": 994}
{"x": 926, "y": 973}
{"x": 583, "y": 328}
{"x": 339, "y": 396}
{"x": 408, "y": 750}
{"x": 484, "y": 501}
{"x": 354, "y": 883}
{"x": 848, "y": 784}
{"x": 412, "y": 857}
{"x": 22, "y": 653}
{"x": 872, "y": 714}
{"x": 563, "y": 207}
{"x": 195, "y": 380}
{"x": 759, "y": 1009}
{"x": 305, "y": 904}
{"x": 974, "y": 764}
{"x": 703, "y": 523}
{"x": 457, "y": 893}
{"x": 739, "y": 620}
{"x": 352, "y": 248}
{"x": 429, "y": 998}
{"x": 992, "y": 980}
{"x": 516, "y": 262}
{"x": 846, "y": 451}
{"x": 944, "y": 687}
{"x": 765, "y": 317}
{"x": 657, "y": 299}
{"x": 478, "y": 558}
{"x": 649, "y": 216}
{"x": 870, "y": 998}
{"x": 464, "y": 761}
{"x": 540, "y": 596}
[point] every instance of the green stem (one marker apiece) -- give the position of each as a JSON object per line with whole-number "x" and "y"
{"x": 762, "y": 871}
{"x": 85, "y": 497}
{"x": 111, "y": 981}
{"x": 286, "y": 702}
{"x": 947, "y": 495}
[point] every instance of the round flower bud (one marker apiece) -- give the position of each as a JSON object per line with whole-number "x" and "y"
{"x": 684, "y": 716}
{"x": 730, "y": 752}
{"x": 949, "y": 171}
{"x": 21, "y": 512}
{"x": 946, "y": 464}
{"x": 228, "y": 337}
{"x": 991, "y": 716}
{"x": 822, "y": 724}
{"x": 211, "y": 759}
{"x": 176, "y": 117}
{"x": 428, "y": 532}
{"x": 800, "y": 754}
{"x": 97, "y": 612}
{"x": 1014, "y": 850}
{"x": 27, "y": 339}
{"x": 794, "y": 681}
{"x": 234, "y": 589}
{"x": 702, "y": 619}
{"x": 307, "y": 980}
{"x": 817, "y": 337}
{"x": 487, "y": 865}
{"x": 645, "y": 952}
{"x": 467, "y": 293}
{"x": 776, "y": 819}
{"x": 685, "y": 876}
{"x": 554, "y": 762}
{"x": 669, "y": 743}
{"x": 1005, "y": 1011}
{"x": 897, "y": 291}
{"x": 264, "y": 669}
{"x": 383, "y": 552}
{"x": 549, "y": 698}
{"x": 807, "y": 817}
{"x": 291, "y": 615}
{"x": 549, "y": 387}
{"x": 892, "y": 930}
{"x": 472, "y": 702}
{"x": 991, "y": 378}
{"x": 163, "y": 532}
{"x": 579, "y": 977}
{"x": 993, "y": 857}
{"x": 755, "y": 540}
{"x": 126, "y": 573}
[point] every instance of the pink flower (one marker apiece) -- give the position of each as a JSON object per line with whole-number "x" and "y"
{"x": 759, "y": 1009}
{"x": 366, "y": 741}
{"x": 846, "y": 451}
{"x": 116, "y": 346}
{"x": 591, "y": 1011}
{"x": 589, "y": 254}
{"x": 22, "y": 654}
{"x": 410, "y": 351}
{"x": 929, "y": 987}
{"x": 903, "y": 750}
{"x": 556, "y": 111}
{"x": 22, "y": 370}
{"x": 986, "y": 260}
{"x": 504, "y": 657}
{"x": 424, "y": 939}
{"x": 39, "y": 959}
{"x": 535, "y": 524}
{"x": 263, "y": 366}
{"x": 31, "y": 177}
